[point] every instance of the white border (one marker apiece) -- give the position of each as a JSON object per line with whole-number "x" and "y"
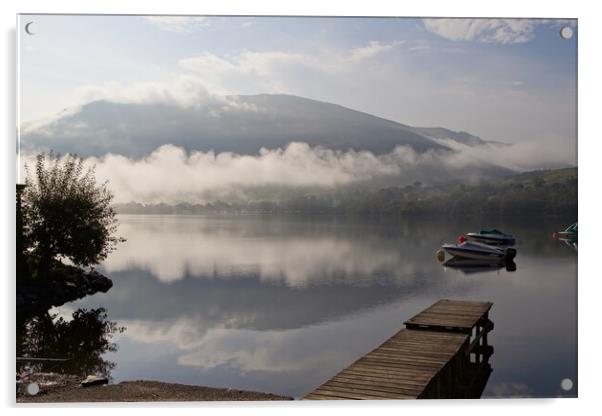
{"x": 588, "y": 157}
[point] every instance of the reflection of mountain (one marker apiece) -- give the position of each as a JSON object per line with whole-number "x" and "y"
{"x": 246, "y": 302}
{"x": 241, "y": 124}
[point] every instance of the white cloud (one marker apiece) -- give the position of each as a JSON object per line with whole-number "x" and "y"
{"x": 280, "y": 71}
{"x": 522, "y": 156}
{"x": 373, "y": 48}
{"x": 248, "y": 22}
{"x": 502, "y": 31}
{"x": 170, "y": 174}
{"x": 184, "y": 90}
{"x": 177, "y": 24}
{"x": 261, "y": 71}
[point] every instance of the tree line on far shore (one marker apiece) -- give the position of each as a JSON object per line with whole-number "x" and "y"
{"x": 541, "y": 193}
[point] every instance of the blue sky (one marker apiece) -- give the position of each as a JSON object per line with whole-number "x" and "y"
{"x": 507, "y": 80}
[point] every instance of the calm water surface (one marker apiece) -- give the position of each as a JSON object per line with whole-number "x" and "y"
{"x": 280, "y": 304}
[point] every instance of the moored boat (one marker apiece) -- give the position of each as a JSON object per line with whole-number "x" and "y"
{"x": 492, "y": 237}
{"x": 479, "y": 251}
{"x": 570, "y": 233}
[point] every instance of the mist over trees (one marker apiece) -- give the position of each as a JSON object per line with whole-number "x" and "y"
{"x": 545, "y": 193}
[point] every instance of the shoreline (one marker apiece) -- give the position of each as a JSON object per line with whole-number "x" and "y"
{"x": 62, "y": 284}
{"x": 68, "y": 389}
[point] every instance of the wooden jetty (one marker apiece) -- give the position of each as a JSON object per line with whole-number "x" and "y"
{"x": 441, "y": 353}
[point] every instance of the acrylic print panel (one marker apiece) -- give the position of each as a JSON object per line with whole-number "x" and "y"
{"x": 275, "y": 208}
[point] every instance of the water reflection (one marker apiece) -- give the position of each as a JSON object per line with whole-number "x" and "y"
{"x": 82, "y": 338}
{"x": 472, "y": 266}
{"x": 569, "y": 243}
{"x": 294, "y": 254}
{"x": 281, "y": 304}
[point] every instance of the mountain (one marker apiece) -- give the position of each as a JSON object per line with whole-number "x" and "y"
{"x": 240, "y": 124}
{"x": 457, "y": 136}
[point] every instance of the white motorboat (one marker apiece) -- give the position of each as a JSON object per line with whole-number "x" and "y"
{"x": 480, "y": 251}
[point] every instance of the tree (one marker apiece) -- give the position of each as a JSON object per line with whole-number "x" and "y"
{"x": 66, "y": 214}
{"x": 538, "y": 182}
{"x": 22, "y": 267}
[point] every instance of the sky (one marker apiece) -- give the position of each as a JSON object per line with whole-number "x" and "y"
{"x": 503, "y": 80}
{"x": 511, "y": 81}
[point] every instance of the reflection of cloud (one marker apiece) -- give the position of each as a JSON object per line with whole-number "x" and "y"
{"x": 257, "y": 351}
{"x": 182, "y": 333}
{"x": 309, "y": 350}
{"x": 290, "y": 361}
{"x": 510, "y": 390}
{"x": 172, "y": 249}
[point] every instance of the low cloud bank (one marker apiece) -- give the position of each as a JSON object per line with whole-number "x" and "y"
{"x": 171, "y": 175}
{"x": 520, "y": 157}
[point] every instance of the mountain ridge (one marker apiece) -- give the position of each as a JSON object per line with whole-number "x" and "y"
{"x": 241, "y": 124}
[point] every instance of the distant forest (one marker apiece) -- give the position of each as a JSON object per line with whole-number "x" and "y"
{"x": 542, "y": 193}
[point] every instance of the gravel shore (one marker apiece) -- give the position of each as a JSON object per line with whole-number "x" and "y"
{"x": 140, "y": 391}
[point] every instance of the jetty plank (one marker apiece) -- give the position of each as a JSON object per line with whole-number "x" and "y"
{"x": 390, "y": 373}
{"x": 450, "y": 314}
{"x": 413, "y": 362}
